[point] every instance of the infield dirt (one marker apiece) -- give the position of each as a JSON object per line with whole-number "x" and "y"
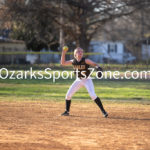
{"x": 37, "y": 125}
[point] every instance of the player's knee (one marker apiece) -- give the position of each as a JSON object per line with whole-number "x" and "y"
{"x": 68, "y": 96}
{"x": 93, "y": 97}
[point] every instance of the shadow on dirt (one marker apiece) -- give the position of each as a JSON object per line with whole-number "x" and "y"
{"x": 116, "y": 118}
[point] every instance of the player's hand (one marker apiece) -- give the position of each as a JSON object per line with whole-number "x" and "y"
{"x": 65, "y": 49}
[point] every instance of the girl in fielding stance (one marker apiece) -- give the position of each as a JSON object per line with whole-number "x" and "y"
{"x": 80, "y": 65}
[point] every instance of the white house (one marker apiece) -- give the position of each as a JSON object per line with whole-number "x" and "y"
{"x": 145, "y": 51}
{"x": 145, "y": 48}
{"x": 111, "y": 52}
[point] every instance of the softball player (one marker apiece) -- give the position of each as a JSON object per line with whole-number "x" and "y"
{"x": 80, "y": 65}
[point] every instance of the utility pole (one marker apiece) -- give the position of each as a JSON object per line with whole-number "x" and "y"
{"x": 142, "y": 30}
{"x": 142, "y": 24}
{"x": 61, "y": 32}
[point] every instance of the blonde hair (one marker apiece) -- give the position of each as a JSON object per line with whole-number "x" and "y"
{"x": 75, "y": 50}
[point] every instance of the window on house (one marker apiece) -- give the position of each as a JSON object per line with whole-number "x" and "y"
{"x": 112, "y": 48}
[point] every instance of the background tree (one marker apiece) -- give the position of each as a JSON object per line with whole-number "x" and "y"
{"x": 131, "y": 30}
{"x": 82, "y": 19}
{"x": 32, "y": 22}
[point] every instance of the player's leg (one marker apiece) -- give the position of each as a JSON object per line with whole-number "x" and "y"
{"x": 90, "y": 88}
{"x": 76, "y": 85}
{"x": 68, "y": 103}
{"x": 100, "y": 105}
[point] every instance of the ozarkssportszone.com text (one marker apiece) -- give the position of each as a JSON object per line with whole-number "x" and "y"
{"x": 49, "y": 74}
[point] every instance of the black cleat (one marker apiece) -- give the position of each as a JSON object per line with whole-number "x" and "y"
{"x": 66, "y": 113}
{"x": 105, "y": 114}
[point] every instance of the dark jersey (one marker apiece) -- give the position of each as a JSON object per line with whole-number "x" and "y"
{"x": 81, "y": 67}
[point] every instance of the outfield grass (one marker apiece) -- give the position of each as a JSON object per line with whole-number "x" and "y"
{"x": 36, "y": 89}
{"x": 112, "y": 67}
{"x": 47, "y": 90}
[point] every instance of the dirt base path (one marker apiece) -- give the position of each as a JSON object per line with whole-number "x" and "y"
{"x": 39, "y": 126}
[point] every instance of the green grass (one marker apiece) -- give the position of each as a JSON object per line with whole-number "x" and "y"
{"x": 35, "y": 89}
{"x": 127, "y": 90}
{"x": 112, "y": 67}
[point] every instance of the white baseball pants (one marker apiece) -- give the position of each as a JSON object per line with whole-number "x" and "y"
{"x": 77, "y": 84}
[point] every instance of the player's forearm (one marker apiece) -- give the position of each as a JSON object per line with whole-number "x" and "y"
{"x": 95, "y": 65}
{"x": 63, "y": 58}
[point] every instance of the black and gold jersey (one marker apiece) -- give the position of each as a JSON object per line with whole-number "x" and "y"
{"x": 81, "y": 68}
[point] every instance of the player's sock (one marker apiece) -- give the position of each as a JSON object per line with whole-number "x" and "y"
{"x": 99, "y": 103}
{"x": 68, "y": 103}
